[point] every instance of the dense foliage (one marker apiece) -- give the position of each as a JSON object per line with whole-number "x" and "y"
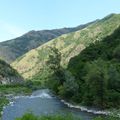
{"x": 56, "y": 77}
{"x": 30, "y": 116}
{"x": 97, "y": 72}
{"x": 106, "y": 118}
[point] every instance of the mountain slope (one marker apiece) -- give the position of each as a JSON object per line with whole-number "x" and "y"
{"x": 11, "y": 49}
{"x": 8, "y": 75}
{"x": 97, "y": 72}
{"x": 69, "y": 45}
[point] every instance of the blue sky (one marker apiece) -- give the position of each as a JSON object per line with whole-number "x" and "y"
{"x": 20, "y": 16}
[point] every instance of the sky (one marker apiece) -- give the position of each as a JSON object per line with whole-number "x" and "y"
{"x": 20, "y": 16}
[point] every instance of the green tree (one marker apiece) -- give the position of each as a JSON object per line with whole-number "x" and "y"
{"x": 96, "y": 82}
{"x": 54, "y": 59}
{"x": 113, "y": 78}
{"x": 116, "y": 52}
{"x": 57, "y": 76}
{"x": 69, "y": 88}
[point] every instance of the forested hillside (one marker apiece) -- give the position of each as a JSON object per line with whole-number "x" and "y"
{"x": 97, "y": 72}
{"x": 33, "y": 63}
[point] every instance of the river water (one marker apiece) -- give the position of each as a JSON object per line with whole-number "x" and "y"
{"x": 41, "y": 102}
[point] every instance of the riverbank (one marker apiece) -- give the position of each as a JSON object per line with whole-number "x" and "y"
{"x": 3, "y": 101}
{"x": 107, "y": 112}
{"x": 41, "y": 102}
{"x": 44, "y": 98}
{"x": 86, "y": 109}
{"x": 7, "y": 91}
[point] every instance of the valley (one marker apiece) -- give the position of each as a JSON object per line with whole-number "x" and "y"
{"x": 72, "y": 72}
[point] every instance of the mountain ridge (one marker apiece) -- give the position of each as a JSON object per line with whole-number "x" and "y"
{"x": 11, "y": 49}
{"x": 69, "y": 45}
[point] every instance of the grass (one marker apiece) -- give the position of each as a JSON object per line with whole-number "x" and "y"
{"x": 30, "y": 116}
{"x": 11, "y": 89}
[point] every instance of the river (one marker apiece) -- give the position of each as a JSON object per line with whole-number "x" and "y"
{"x": 41, "y": 102}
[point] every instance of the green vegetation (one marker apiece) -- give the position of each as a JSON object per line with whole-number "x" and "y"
{"x": 30, "y": 116}
{"x": 106, "y": 118}
{"x": 92, "y": 77}
{"x": 95, "y": 78}
{"x": 11, "y": 82}
{"x": 14, "y": 89}
{"x": 3, "y": 102}
{"x": 33, "y": 63}
{"x": 57, "y": 76}
{"x": 97, "y": 72}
